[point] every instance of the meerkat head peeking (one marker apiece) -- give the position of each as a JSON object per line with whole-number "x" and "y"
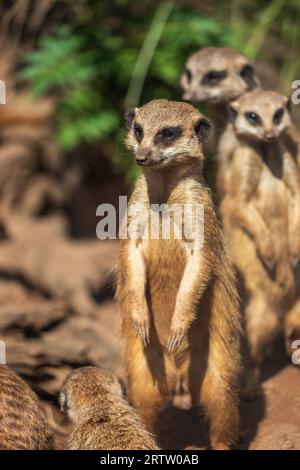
{"x": 88, "y": 391}
{"x": 260, "y": 115}
{"x": 102, "y": 418}
{"x": 163, "y": 133}
{"x": 217, "y": 75}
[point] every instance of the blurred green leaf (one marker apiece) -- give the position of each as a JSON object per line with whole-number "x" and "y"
{"x": 90, "y": 64}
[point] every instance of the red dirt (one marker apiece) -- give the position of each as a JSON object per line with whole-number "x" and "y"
{"x": 46, "y": 339}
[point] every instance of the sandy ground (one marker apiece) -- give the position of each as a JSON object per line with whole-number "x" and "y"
{"x": 269, "y": 422}
{"x": 46, "y": 339}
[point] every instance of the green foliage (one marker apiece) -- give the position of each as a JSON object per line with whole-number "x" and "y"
{"x": 63, "y": 64}
{"x": 117, "y": 53}
{"x": 269, "y": 30}
{"x": 183, "y": 34}
{"x": 89, "y": 67}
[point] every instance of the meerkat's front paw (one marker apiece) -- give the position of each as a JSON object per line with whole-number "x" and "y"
{"x": 175, "y": 338}
{"x": 285, "y": 277}
{"x": 294, "y": 255}
{"x": 267, "y": 255}
{"x": 142, "y": 325}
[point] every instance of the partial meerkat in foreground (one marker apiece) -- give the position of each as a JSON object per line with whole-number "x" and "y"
{"x": 23, "y": 425}
{"x": 215, "y": 76}
{"x": 103, "y": 419}
{"x": 178, "y": 300}
{"x": 261, "y": 214}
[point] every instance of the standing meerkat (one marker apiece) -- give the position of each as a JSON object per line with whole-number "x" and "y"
{"x": 261, "y": 214}
{"x": 103, "y": 419}
{"x": 180, "y": 315}
{"x": 215, "y": 76}
{"x": 23, "y": 425}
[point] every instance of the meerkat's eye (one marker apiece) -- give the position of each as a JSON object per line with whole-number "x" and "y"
{"x": 253, "y": 118}
{"x": 213, "y": 77}
{"x": 277, "y": 118}
{"x": 171, "y": 132}
{"x": 188, "y": 74}
{"x": 168, "y": 134}
{"x": 247, "y": 74}
{"x": 138, "y": 132}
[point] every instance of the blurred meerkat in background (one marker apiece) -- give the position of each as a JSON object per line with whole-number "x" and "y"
{"x": 23, "y": 425}
{"x": 261, "y": 214}
{"x": 94, "y": 401}
{"x": 215, "y": 76}
{"x": 180, "y": 315}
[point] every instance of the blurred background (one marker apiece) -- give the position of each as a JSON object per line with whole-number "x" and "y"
{"x": 71, "y": 69}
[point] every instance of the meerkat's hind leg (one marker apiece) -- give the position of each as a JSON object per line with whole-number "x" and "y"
{"x": 146, "y": 387}
{"x": 261, "y": 325}
{"x": 220, "y": 401}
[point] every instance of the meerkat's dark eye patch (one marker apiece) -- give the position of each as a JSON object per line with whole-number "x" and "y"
{"x": 168, "y": 135}
{"x": 248, "y": 75}
{"x": 278, "y": 115}
{"x": 171, "y": 133}
{"x": 213, "y": 77}
{"x": 202, "y": 129}
{"x": 188, "y": 75}
{"x": 253, "y": 118}
{"x": 138, "y": 132}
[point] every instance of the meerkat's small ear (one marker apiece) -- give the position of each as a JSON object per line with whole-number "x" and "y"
{"x": 129, "y": 117}
{"x": 203, "y": 129}
{"x": 231, "y": 113}
{"x": 249, "y": 76}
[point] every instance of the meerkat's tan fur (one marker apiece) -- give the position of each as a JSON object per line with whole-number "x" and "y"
{"x": 103, "y": 419}
{"x": 179, "y": 303}
{"x": 215, "y": 76}
{"x": 23, "y": 425}
{"x": 261, "y": 214}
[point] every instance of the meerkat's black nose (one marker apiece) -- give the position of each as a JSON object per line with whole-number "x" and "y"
{"x": 142, "y": 156}
{"x": 191, "y": 97}
{"x": 141, "y": 160}
{"x": 270, "y": 137}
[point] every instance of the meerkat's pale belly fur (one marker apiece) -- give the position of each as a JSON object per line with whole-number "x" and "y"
{"x": 274, "y": 209}
{"x": 161, "y": 257}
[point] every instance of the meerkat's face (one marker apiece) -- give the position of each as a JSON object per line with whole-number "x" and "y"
{"x": 217, "y": 75}
{"x": 260, "y": 115}
{"x": 86, "y": 389}
{"x": 164, "y": 133}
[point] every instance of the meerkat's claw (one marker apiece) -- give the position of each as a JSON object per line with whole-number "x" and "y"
{"x": 142, "y": 329}
{"x": 175, "y": 339}
{"x": 294, "y": 260}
